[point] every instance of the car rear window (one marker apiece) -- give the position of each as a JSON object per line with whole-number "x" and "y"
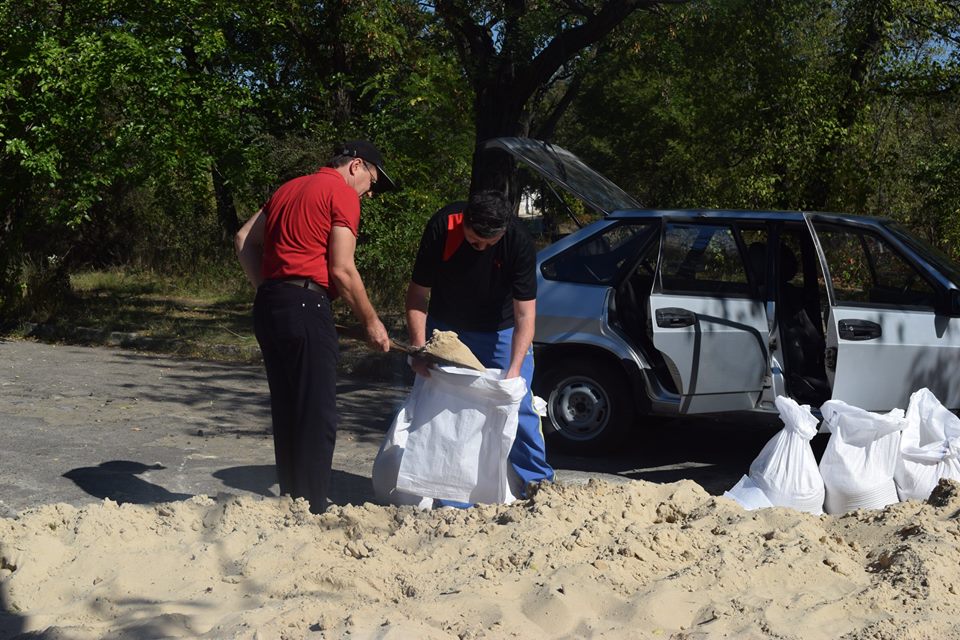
{"x": 601, "y": 258}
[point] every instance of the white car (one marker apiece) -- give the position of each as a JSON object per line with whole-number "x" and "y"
{"x": 673, "y": 312}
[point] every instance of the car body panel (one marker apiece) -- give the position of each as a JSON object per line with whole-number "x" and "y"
{"x": 728, "y": 331}
{"x": 576, "y": 314}
{"x": 915, "y": 349}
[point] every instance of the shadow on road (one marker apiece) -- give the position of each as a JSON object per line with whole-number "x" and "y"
{"x": 345, "y": 488}
{"x": 11, "y": 625}
{"x": 255, "y": 478}
{"x": 119, "y": 481}
{"x": 713, "y": 453}
{"x": 350, "y": 488}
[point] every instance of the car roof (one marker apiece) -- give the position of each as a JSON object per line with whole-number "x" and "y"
{"x": 741, "y": 214}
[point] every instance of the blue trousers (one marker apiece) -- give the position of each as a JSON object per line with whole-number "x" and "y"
{"x": 528, "y": 457}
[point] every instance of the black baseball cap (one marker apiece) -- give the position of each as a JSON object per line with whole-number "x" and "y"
{"x": 368, "y": 152}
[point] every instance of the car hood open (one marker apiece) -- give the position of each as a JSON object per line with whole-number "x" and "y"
{"x": 564, "y": 168}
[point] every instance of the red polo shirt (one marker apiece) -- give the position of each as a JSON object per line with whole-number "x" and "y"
{"x": 299, "y": 216}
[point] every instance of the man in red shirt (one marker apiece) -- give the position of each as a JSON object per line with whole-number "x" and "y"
{"x": 298, "y": 251}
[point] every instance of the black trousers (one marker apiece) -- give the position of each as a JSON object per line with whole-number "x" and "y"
{"x": 295, "y": 329}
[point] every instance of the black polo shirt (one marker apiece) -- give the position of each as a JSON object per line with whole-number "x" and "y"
{"x": 474, "y": 290}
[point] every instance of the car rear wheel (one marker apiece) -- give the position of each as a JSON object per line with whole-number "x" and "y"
{"x": 588, "y": 404}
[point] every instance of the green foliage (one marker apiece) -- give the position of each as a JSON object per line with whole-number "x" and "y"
{"x": 848, "y": 106}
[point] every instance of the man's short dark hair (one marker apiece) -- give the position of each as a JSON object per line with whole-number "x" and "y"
{"x": 339, "y": 160}
{"x": 488, "y": 213}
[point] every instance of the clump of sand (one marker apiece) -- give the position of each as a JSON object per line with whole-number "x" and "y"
{"x": 634, "y": 560}
{"x": 447, "y": 345}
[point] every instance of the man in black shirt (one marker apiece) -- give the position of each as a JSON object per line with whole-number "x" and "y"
{"x": 476, "y": 266}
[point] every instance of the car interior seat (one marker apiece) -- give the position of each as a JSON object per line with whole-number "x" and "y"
{"x": 803, "y": 343}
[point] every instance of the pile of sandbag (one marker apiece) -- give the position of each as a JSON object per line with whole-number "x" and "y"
{"x": 871, "y": 459}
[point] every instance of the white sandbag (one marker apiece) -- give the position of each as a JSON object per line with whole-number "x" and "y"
{"x": 748, "y": 494}
{"x": 861, "y": 457}
{"x": 452, "y": 439}
{"x": 929, "y": 447}
{"x": 786, "y": 471}
{"x": 386, "y": 466}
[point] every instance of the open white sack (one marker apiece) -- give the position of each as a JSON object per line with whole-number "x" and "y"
{"x": 451, "y": 440}
{"x": 929, "y": 447}
{"x": 785, "y": 473}
{"x": 860, "y": 458}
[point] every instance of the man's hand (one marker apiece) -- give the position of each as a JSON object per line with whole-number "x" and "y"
{"x": 377, "y": 337}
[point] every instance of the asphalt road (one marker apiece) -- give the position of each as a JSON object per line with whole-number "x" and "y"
{"x": 79, "y": 424}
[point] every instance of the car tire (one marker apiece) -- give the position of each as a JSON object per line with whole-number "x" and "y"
{"x": 589, "y": 405}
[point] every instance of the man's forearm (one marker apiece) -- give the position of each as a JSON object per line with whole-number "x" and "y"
{"x": 351, "y": 288}
{"x": 522, "y": 339}
{"x": 416, "y": 311}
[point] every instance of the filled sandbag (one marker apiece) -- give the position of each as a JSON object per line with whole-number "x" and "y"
{"x": 785, "y": 474}
{"x": 452, "y": 439}
{"x": 861, "y": 457}
{"x": 929, "y": 447}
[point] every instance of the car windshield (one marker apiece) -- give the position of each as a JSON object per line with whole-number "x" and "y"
{"x": 928, "y": 252}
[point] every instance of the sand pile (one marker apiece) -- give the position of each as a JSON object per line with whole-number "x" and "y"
{"x": 597, "y": 560}
{"x": 447, "y": 345}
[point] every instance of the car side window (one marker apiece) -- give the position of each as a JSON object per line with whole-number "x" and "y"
{"x": 702, "y": 258}
{"x": 600, "y": 258}
{"x": 866, "y": 269}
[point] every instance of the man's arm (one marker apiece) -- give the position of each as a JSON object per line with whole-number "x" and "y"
{"x": 525, "y": 316}
{"x": 416, "y": 308}
{"x": 248, "y": 244}
{"x": 343, "y": 271}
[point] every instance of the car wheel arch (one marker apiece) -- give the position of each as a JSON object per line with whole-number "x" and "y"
{"x": 591, "y": 397}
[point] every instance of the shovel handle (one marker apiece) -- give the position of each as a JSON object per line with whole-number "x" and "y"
{"x": 358, "y": 333}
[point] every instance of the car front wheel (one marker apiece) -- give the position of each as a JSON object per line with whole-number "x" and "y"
{"x": 588, "y": 404}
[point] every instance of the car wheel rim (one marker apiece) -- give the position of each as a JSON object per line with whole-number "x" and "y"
{"x": 579, "y": 408}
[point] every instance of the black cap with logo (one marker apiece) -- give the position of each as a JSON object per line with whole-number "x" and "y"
{"x": 366, "y": 151}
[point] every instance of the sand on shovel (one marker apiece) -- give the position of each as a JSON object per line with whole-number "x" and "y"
{"x": 446, "y": 345}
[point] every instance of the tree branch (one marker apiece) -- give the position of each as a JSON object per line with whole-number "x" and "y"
{"x": 474, "y": 43}
{"x": 569, "y": 42}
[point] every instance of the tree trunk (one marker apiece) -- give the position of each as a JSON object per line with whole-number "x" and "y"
{"x": 499, "y": 114}
{"x": 226, "y": 208}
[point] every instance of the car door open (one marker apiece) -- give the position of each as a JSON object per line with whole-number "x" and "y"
{"x": 885, "y": 337}
{"x": 706, "y": 322}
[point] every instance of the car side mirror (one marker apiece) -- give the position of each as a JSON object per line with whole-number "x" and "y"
{"x": 950, "y": 303}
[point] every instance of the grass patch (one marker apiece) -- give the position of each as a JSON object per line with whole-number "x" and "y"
{"x": 208, "y": 316}
{"x": 202, "y": 316}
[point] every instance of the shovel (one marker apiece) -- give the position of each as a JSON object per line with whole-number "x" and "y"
{"x": 358, "y": 333}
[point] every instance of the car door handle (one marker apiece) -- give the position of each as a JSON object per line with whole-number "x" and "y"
{"x": 673, "y": 318}
{"x": 858, "y": 330}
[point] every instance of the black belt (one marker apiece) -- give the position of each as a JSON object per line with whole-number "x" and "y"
{"x": 305, "y": 283}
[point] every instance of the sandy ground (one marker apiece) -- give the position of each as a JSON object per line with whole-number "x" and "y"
{"x": 625, "y": 559}
{"x": 575, "y": 561}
